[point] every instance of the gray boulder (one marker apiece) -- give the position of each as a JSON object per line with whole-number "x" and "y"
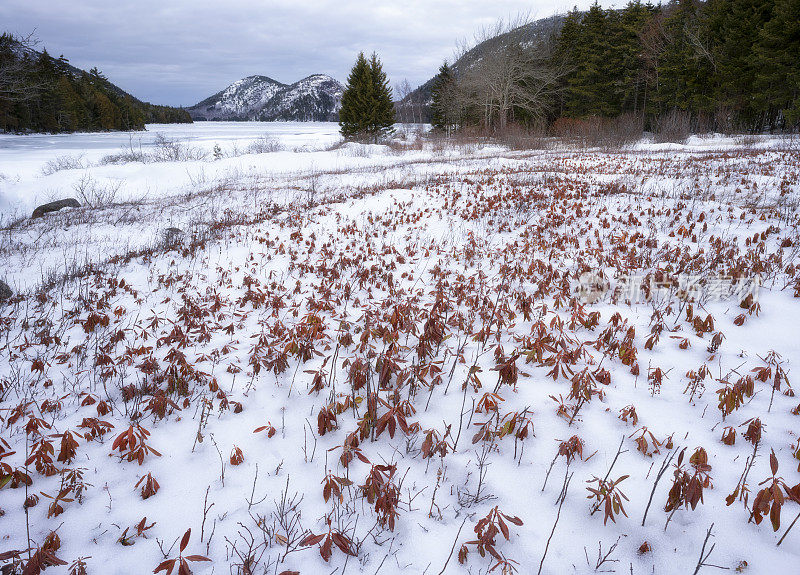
{"x": 173, "y": 236}
{"x": 55, "y": 206}
{"x": 5, "y": 291}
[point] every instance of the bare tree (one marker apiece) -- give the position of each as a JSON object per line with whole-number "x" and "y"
{"x": 16, "y": 84}
{"x": 405, "y": 113}
{"x": 654, "y": 39}
{"x": 510, "y": 73}
{"x": 411, "y": 104}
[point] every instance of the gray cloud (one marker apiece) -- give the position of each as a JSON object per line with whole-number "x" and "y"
{"x": 178, "y": 51}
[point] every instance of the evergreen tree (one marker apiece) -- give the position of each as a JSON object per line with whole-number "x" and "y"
{"x": 444, "y": 116}
{"x": 354, "y": 113}
{"x": 383, "y": 108}
{"x": 601, "y": 50}
{"x": 589, "y": 82}
{"x": 565, "y": 55}
{"x": 630, "y": 84}
{"x": 776, "y": 57}
{"x": 728, "y": 33}
{"x": 367, "y": 109}
{"x": 594, "y": 84}
{"x": 44, "y": 94}
{"x": 684, "y": 80}
{"x": 44, "y": 110}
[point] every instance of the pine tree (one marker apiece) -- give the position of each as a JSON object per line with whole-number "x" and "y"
{"x": 383, "y": 107}
{"x": 777, "y": 53}
{"x": 566, "y": 56}
{"x": 45, "y": 111}
{"x": 43, "y": 94}
{"x": 588, "y": 83}
{"x": 631, "y": 81}
{"x": 444, "y": 116}
{"x": 684, "y": 80}
{"x": 353, "y": 115}
{"x": 367, "y": 109}
{"x": 732, "y": 30}
{"x": 595, "y": 46}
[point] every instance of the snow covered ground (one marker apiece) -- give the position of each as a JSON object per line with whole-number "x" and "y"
{"x": 377, "y": 359}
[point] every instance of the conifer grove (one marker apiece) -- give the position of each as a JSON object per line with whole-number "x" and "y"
{"x": 723, "y": 65}
{"x": 367, "y": 111}
{"x": 39, "y": 93}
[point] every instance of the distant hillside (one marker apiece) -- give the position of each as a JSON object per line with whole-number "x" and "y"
{"x": 315, "y": 98}
{"x": 530, "y": 32}
{"x": 671, "y": 67}
{"x": 39, "y": 93}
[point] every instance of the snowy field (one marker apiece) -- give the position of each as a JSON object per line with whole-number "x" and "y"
{"x": 430, "y": 357}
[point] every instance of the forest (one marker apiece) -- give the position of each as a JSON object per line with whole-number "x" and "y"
{"x": 723, "y": 65}
{"x": 40, "y": 93}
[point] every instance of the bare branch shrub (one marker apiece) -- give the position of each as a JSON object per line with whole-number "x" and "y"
{"x": 170, "y": 150}
{"x": 94, "y": 194}
{"x": 265, "y": 145}
{"x": 674, "y": 127}
{"x": 64, "y": 162}
{"x": 517, "y": 137}
{"x": 164, "y": 150}
{"x": 595, "y": 131}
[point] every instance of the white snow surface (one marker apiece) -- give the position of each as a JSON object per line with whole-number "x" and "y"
{"x": 294, "y": 265}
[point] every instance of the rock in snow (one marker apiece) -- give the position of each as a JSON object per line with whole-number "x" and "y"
{"x": 172, "y": 236}
{"x": 55, "y": 206}
{"x": 5, "y": 291}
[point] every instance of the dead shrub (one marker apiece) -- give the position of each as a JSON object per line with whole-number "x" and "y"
{"x": 595, "y": 131}
{"x": 94, "y": 194}
{"x": 64, "y": 162}
{"x": 164, "y": 150}
{"x": 673, "y": 127}
{"x": 518, "y": 137}
{"x": 265, "y": 145}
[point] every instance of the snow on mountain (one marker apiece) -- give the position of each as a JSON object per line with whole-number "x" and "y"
{"x": 315, "y": 98}
{"x": 238, "y": 101}
{"x": 312, "y": 99}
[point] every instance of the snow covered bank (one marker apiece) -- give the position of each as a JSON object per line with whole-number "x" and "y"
{"x": 368, "y": 364}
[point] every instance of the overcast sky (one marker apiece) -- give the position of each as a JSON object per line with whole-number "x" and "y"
{"x": 179, "y": 52}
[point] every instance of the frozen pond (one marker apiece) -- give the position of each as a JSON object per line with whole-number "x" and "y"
{"x": 27, "y": 178}
{"x": 205, "y": 134}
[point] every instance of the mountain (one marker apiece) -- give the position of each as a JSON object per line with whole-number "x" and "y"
{"x": 45, "y": 94}
{"x": 239, "y": 101}
{"x": 316, "y": 98}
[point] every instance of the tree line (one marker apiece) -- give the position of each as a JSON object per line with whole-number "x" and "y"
{"x": 40, "y": 93}
{"x": 716, "y": 65}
